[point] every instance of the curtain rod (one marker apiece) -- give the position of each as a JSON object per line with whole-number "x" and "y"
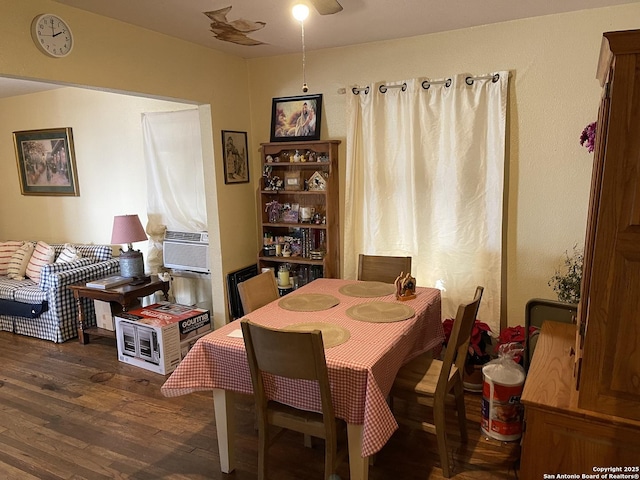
{"x": 425, "y": 85}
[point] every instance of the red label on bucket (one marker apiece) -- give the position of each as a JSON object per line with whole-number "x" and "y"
{"x": 502, "y": 418}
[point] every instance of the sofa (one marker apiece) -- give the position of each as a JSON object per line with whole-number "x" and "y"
{"x": 39, "y": 303}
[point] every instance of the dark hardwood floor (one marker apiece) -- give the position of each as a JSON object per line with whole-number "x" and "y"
{"x": 72, "y": 411}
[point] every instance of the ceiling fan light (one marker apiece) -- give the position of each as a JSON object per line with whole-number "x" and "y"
{"x": 300, "y": 12}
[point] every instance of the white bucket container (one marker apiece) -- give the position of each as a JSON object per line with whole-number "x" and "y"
{"x": 501, "y": 409}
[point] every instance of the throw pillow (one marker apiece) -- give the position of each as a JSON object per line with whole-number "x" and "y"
{"x": 43, "y": 254}
{"x": 69, "y": 254}
{"x": 19, "y": 261}
{"x": 7, "y": 249}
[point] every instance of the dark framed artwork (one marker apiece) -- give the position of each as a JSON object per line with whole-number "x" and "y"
{"x": 296, "y": 118}
{"x": 236, "y": 157}
{"x": 46, "y": 162}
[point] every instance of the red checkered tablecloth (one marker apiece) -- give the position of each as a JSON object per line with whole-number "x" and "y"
{"x": 361, "y": 370}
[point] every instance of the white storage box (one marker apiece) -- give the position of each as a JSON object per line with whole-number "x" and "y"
{"x": 158, "y": 337}
{"x": 105, "y": 312}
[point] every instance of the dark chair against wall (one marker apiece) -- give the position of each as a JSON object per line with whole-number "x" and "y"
{"x": 429, "y": 381}
{"x": 297, "y": 355}
{"x": 380, "y": 268}
{"x": 537, "y": 311}
{"x": 258, "y": 291}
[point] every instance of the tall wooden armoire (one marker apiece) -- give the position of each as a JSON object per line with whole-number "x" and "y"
{"x": 582, "y": 394}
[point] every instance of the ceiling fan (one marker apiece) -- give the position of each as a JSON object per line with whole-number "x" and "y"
{"x": 326, "y": 7}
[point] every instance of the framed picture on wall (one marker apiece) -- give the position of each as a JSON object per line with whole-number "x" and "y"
{"x": 236, "y": 157}
{"x": 296, "y": 118}
{"x": 46, "y": 162}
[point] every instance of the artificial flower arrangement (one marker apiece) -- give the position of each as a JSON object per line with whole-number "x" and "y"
{"x": 479, "y": 343}
{"x": 588, "y": 137}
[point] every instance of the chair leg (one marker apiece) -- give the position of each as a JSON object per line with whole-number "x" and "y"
{"x": 441, "y": 435}
{"x": 330, "y": 458}
{"x": 458, "y": 392}
{"x": 263, "y": 442}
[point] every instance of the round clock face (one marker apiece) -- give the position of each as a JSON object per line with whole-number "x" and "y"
{"x": 52, "y": 35}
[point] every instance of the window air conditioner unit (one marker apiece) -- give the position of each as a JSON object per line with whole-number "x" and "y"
{"x": 186, "y": 251}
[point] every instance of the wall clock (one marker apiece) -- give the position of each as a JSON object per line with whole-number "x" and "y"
{"x": 52, "y": 35}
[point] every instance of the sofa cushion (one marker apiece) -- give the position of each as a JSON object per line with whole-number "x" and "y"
{"x": 7, "y": 249}
{"x": 19, "y": 261}
{"x": 8, "y": 287}
{"x": 43, "y": 254}
{"x": 69, "y": 254}
{"x": 30, "y": 294}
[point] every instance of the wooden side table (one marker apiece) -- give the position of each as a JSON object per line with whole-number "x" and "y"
{"x": 125, "y": 295}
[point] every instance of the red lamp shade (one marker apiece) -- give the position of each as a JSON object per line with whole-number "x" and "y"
{"x": 127, "y": 229}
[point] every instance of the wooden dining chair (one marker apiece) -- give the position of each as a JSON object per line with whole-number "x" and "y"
{"x": 430, "y": 382}
{"x": 295, "y": 355}
{"x": 257, "y": 291}
{"x": 380, "y": 268}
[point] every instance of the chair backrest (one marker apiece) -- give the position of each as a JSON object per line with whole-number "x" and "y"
{"x": 537, "y": 311}
{"x": 458, "y": 345}
{"x": 289, "y": 354}
{"x": 382, "y": 268}
{"x": 258, "y": 291}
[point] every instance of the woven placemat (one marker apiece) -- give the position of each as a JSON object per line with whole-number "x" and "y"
{"x": 367, "y": 289}
{"x": 332, "y": 334}
{"x": 308, "y": 302}
{"x": 381, "y": 312}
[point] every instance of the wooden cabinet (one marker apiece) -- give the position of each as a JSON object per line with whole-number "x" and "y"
{"x": 560, "y": 437}
{"x": 596, "y": 370}
{"x": 300, "y": 182}
{"x": 608, "y": 368}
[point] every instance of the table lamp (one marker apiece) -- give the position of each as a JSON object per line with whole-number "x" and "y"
{"x": 128, "y": 229}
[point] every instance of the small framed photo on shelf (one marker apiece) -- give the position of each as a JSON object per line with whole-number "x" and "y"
{"x": 296, "y": 118}
{"x": 235, "y": 156}
{"x": 46, "y": 162}
{"x": 293, "y": 181}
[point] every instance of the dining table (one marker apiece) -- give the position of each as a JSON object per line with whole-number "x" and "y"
{"x": 368, "y": 335}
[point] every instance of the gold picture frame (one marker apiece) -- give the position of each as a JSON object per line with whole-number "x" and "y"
{"x": 46, "y": 162}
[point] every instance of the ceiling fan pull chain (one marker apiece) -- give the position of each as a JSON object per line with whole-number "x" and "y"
{"x": 305, "y": 88}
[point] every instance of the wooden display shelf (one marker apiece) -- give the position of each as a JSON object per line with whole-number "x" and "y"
{"x": 292, "y": 260}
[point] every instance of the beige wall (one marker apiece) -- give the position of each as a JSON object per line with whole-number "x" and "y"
{"x": 107, "y": 133}
{"x": 115, "y": 56}
{"x": 553, "y": 96}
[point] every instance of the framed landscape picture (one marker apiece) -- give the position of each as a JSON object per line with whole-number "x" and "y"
{"x": 236, "y": 158}
{"x": 296, "y": 118}
{"x": 46, "y": 162}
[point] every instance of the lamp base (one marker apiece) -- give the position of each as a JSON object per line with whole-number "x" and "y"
{"x": 131, "y": 264}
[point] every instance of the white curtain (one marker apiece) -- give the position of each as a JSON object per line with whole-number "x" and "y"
{"x": 175, "y": 180}
{"x": 425, "y": 177}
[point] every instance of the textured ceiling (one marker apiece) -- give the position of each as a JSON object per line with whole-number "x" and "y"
{"x": 360, "y": 21}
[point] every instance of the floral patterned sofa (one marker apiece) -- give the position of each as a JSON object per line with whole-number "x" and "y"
{"x": 46, "y": 308}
